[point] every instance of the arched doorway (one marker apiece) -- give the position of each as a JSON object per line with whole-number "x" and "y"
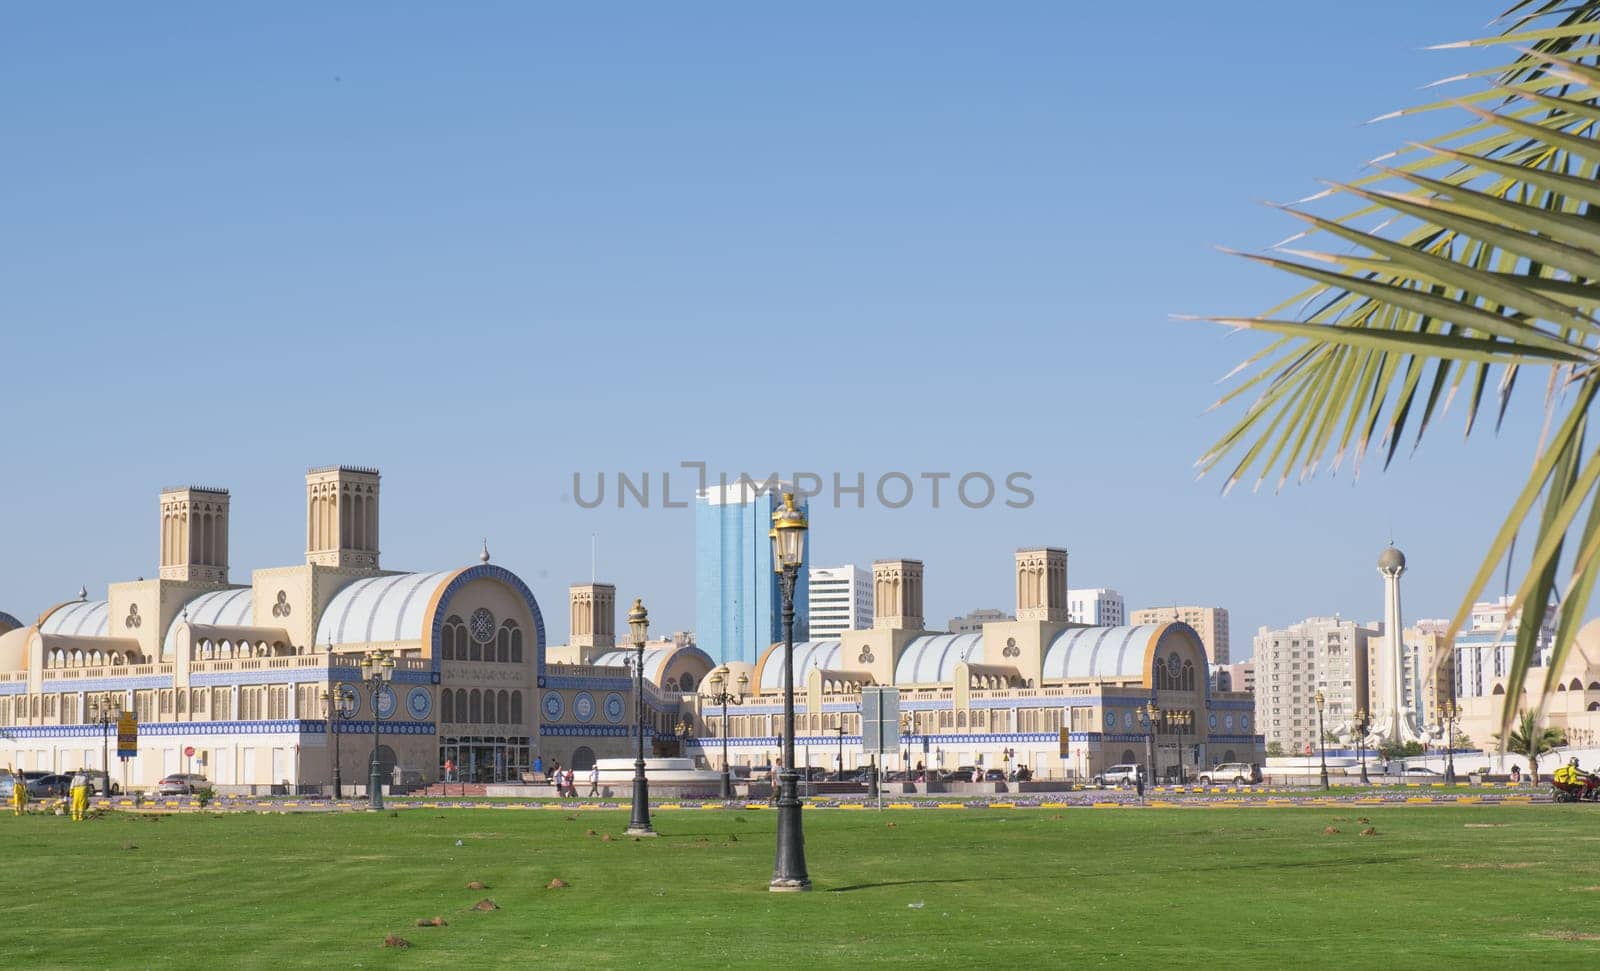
{"x": 582, "y": 758}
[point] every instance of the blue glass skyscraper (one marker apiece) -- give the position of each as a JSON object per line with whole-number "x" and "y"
{"x": 738, "y": 608}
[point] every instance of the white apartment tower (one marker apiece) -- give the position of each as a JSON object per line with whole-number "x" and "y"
{"x": 841, "y": 600}
{"x": 1097, "y": 607}
{"x": 1293, "y": 663}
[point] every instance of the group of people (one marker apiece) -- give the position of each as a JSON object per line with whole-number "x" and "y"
{"x": 563, "y": 779}
{"x": 78, "y": 796}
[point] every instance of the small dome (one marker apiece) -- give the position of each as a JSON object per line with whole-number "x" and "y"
{"x": 1391, "y": 560}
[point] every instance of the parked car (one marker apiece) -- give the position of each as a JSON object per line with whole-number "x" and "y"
{"x": 101, "y": 784}
{"x": 50, "y": 785}
{"x": 994, "y": 775}
{"x": 1126, "y": 774}
{"x": 1228, "y": 773}
{"x": 181, "y": 784}
{"x": 1422, "y": 771}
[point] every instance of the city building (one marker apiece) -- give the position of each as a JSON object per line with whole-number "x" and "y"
{"x": 1097, "y": 607}
{"x": 1038, "y": 690}
{"x": 1293, "y": 663}
{"x": 973, "y": 622}
{"x": 841, "y": 599}
{"x": 737, "y": 603}
{"x": 1483, "y": 650}
{"x": 1238, "y": 676}
{"x": 1210, "y": 622}
{"x": 1573, "y": 706}
{"x": 237, "y": 672}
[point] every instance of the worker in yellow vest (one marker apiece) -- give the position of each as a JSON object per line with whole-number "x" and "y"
{"x": 19, "y": 795}
{"x": 80, "y": 797}
{"x": 1569, "y": 774}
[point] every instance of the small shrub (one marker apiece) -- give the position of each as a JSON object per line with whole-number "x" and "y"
{"x": 203, "y": 797}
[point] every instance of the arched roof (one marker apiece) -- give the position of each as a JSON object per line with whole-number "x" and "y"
{"x": 215, "y": 608}
{"x": 14, "y": 650}
{"x": 8, "y": 622}
{"x": 932, "y": 659}
{"x": 388, "y": 608}
{"x": 78, "y": 618}
{"x": 1100, "y": 652}
{"x": 656, "y": 659}
{"x": 807, "y": 655}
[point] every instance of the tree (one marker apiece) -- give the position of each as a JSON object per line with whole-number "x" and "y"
{"x": 1477, "y": 277}
{"x": 1389, "y": 751}
{"x": 1529, "y": 740}
{"x": 1274, "y": 750}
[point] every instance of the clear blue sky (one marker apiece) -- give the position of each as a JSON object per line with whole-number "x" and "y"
{"x": 487, "y": 248}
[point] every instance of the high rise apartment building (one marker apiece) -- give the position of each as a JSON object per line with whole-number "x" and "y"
{"x": 841, "y": 600}
{"x": 1097, "y": 607}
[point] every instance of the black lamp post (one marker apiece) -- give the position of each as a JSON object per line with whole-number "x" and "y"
{"x": 788, "y": 537}
{"x": 720, "y": 697}
{"x": 1322, "y": 740}
{"x": 1363, "y": 724}
{"x": 334, "y": 705}
{"x": 1152, "y": 716}
{"x": 377, "y": 668}
{"x": 1451, "y": 713}
{"x": 839, "y": 729}
{"x": 104, "y": 709}
{"x": 638, "y": 627}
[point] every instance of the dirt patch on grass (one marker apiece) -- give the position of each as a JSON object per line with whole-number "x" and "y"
{"x": 1594, "y": 889}
{"x": 1485, "y": 825}
{"x": 1569, "y": 935}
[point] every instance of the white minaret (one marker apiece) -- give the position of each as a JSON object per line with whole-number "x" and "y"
{"x": 1394, "y": 718}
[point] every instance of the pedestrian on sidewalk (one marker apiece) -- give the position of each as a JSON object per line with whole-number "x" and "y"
{"x": 594, "y": 780}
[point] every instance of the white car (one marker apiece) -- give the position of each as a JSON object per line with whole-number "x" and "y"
{"x": 1119, "y": 775}
{"x": 1228, "y": 773}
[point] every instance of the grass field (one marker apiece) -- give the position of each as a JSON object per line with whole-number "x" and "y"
{"x": 1255, "y": 887}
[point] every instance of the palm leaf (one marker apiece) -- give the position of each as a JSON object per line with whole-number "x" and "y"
{"x": 1486, "y": 261}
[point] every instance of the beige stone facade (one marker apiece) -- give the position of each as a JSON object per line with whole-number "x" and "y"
{"x": 1064, "y": 699}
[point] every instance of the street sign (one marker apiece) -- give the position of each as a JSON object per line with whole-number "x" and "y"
{"x": 188, "y": 751}
{"x": 127, "y": 736}
{"x": 880, "y": 719}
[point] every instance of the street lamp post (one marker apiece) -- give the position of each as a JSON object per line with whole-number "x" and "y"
{"x": 1363, "y": 722}
{"x": 1152, "y": 715}
{"x": 721, "y": 697}
{"x": 333, "y": 704}
{"x": 788, "y": 537}
{"x": 105, "y": 710}
{"x": 638, "y": 627}
{"x": 840, "y": 730}
{"x": 1322, "y": 740}
{"x": 1451, "y": 713}
{"x": 377, "y": 668}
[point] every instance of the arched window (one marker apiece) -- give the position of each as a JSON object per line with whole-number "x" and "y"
{"x": 516, "y": 645}
{"x": 447, "y": 637}
{"x": 1188, "y": 675}
{"x": 1577, "y": 684}
{"x": 475, "y": 707}
{"x": 447, "y": 706}
{"x": 502, "y": 708}
{"x": 516, "y": 707}
{"x": 1499, "y": 689}
{"x": 461, "y": 704}
{"x": 502, "y": 645}
{"x": 474, "y": 649}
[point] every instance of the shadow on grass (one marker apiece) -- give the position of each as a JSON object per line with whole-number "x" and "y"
{"x": 919, "y": 883}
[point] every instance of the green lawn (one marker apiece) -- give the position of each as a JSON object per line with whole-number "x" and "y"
{"x": 1437, "y": 886}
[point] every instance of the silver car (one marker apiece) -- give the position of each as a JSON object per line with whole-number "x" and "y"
{"x": 181, "y": 784}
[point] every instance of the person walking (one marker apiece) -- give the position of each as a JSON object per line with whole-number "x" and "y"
{"x": 80, "y": 797}
{"x": 19, "y": 795}
{"x": 594, "y": 780}
{"x": 555, "y": 775}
